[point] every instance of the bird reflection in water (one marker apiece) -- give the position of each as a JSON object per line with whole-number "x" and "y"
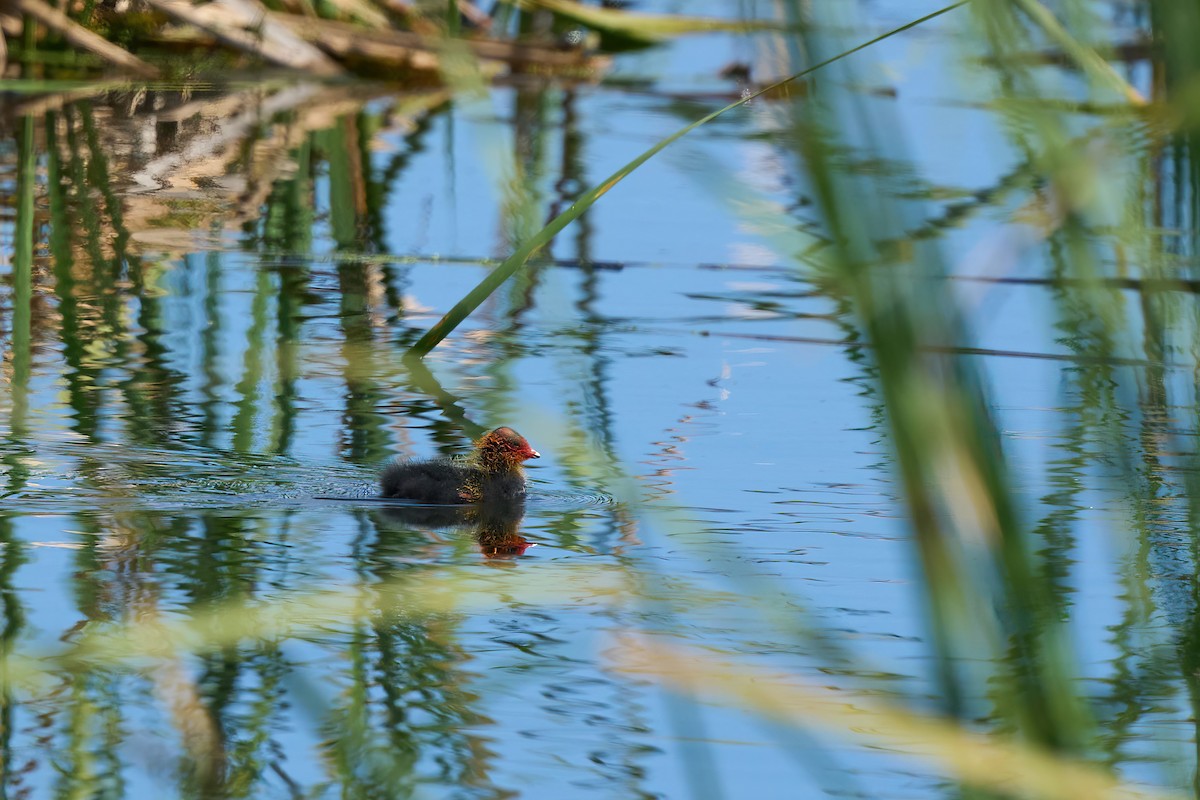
{"x": 494, "y": 524}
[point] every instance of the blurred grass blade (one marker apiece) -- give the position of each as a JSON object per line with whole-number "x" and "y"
{"x": 229, "y": 623}
{"x": 454, "y": 317}
{"x": 988, "y": 762}
{"x": 640, "y": 27}
{"x": 1086, "y": 57}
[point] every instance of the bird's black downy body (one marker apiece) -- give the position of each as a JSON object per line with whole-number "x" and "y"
{"x": 492, "y": 472}
{"x": 448, "y": 482}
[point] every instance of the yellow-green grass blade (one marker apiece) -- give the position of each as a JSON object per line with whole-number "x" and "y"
{"x": 647, "y": 28}
{"x": 987, "y": 761}
{"x": 1086, "y": 57}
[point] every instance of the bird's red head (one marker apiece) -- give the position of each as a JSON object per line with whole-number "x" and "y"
{"x": 508, "y": 442}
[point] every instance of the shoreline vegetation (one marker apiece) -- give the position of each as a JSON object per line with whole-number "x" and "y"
{"x": 149, "y": 39}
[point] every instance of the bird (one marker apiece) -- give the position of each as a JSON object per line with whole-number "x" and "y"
{"x": 492, "y": 472}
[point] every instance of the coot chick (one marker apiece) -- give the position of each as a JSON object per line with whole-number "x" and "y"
{"x": 492, "y": 472}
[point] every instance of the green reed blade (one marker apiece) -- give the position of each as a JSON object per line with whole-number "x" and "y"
{"x": 454, "y": 317}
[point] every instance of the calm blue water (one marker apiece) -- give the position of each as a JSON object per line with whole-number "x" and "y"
{"x": 203, "y": 416}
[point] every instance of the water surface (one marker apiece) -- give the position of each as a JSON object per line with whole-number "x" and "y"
{"x": 203, "y": 377}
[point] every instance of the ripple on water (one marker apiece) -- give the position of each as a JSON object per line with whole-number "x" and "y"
{"x": 175, "y": 480}
{"x": 566, "y": 499}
